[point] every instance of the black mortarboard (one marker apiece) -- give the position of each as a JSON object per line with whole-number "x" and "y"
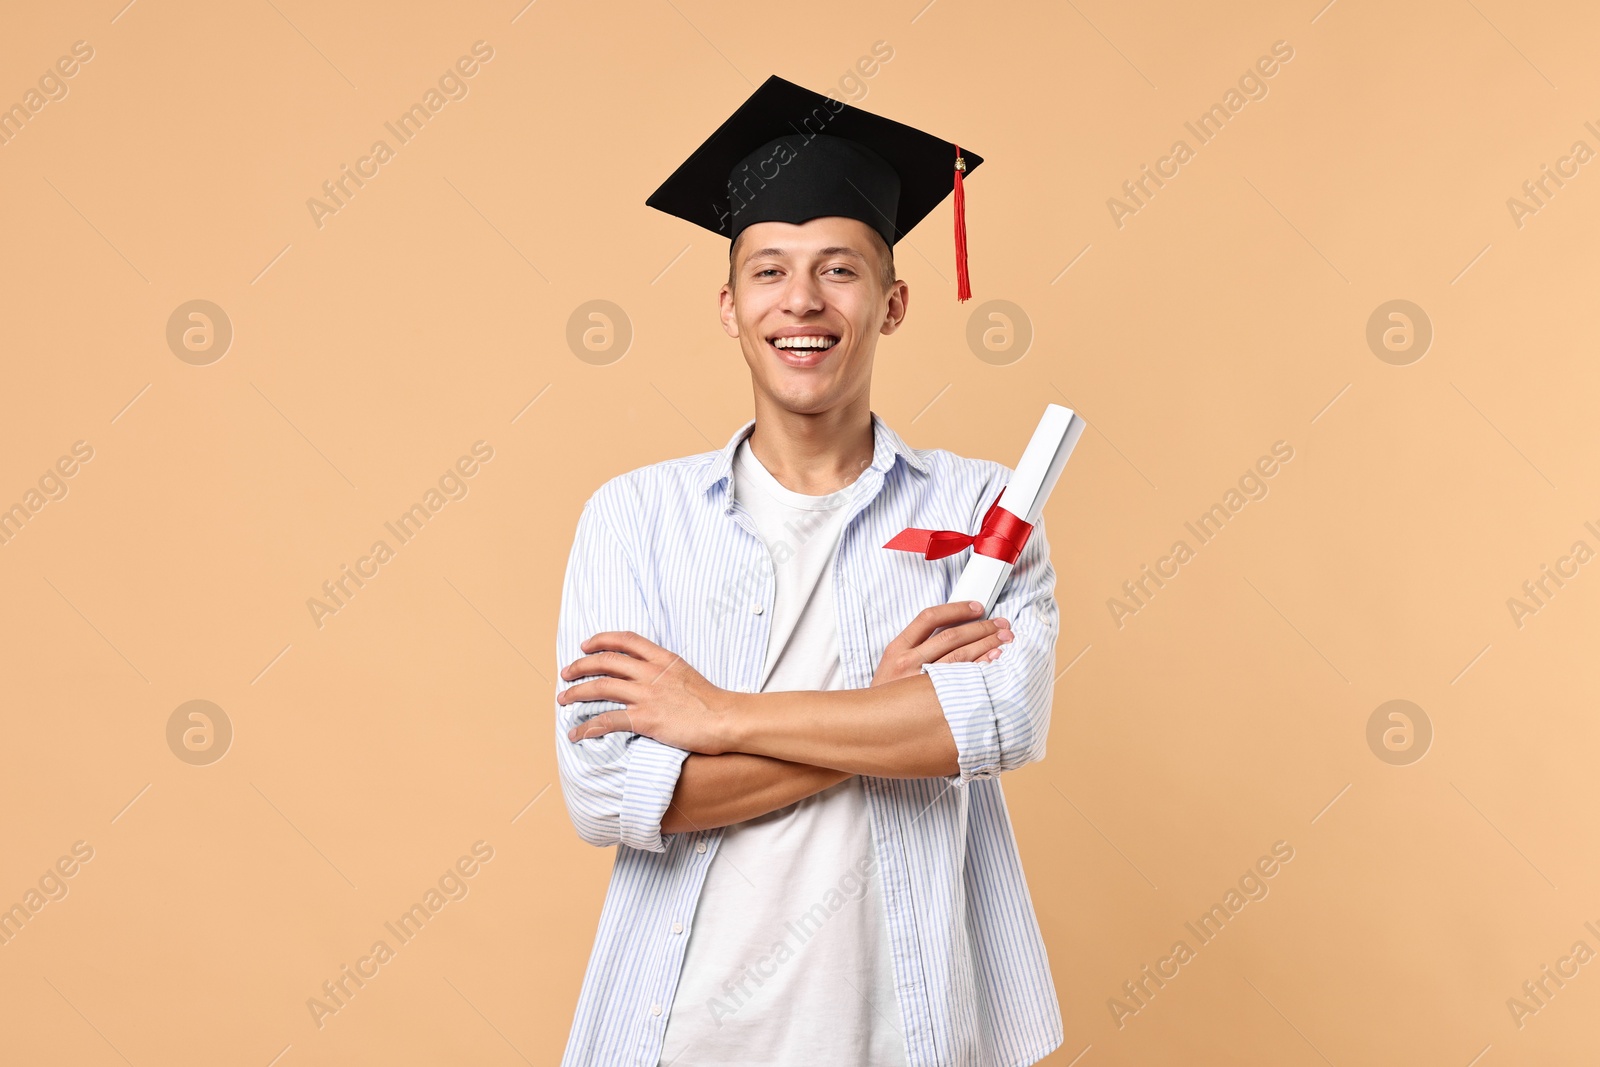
{"x": 789, "y": 155}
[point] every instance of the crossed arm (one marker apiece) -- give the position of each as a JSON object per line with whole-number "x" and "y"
{"x": 751, "y": 753}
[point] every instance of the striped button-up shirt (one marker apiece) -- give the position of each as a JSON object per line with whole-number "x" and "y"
{"x": 666, "y": 552}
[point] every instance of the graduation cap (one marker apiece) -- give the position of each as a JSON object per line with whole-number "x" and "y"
{"x": 789, "y": 155}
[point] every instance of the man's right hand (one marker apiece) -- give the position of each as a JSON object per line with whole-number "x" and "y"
{"x": 964, "y": 639}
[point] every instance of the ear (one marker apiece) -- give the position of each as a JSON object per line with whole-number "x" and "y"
{"x": 898, "y": 300}
{"x": 725, "y": 308}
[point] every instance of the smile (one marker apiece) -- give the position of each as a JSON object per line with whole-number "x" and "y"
{"x": 803, "y": 350}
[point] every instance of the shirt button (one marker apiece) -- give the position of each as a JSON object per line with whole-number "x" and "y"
{"x": 758, "y": 608}
{"x": 655, "y": 1009}
{"x": 677, "y": 928}
{"x": 700, "y": 846}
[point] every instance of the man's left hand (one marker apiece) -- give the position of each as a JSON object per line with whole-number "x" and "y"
{"x": 665, "y": 698}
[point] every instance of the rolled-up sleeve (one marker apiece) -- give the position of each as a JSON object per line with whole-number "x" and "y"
{"x": 999, "y": 712}
{"x": 616, "y": 786}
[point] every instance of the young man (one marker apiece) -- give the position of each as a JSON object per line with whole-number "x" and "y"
{"x": 792, "y": 737}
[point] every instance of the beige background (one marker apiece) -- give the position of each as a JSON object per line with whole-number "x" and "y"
{"x": 431, "y": 312}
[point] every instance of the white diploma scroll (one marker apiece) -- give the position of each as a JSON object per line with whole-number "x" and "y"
{"x": 1024, "y": 496}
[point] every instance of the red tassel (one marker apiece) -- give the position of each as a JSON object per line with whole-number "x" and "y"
{"x": 963, "y": 283}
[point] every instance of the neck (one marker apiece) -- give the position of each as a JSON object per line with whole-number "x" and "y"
{"x": 814, "y": 454}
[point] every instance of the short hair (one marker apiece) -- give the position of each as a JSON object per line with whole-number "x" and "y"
{"x": 886, "y": 271}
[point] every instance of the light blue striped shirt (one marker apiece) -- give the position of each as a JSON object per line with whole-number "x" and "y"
{"x": 665, "y": 552}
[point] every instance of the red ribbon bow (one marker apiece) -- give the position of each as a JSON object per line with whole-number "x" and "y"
{"x": 1001, "y": 536}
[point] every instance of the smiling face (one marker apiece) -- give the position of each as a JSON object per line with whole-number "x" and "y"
{"x": 808, "y": 304}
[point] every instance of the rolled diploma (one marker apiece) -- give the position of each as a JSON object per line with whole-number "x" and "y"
{"x": 1024, "y": 496}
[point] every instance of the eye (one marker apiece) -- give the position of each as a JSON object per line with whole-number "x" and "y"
{"x": 768, "y": 270}
{"x": 847, "y": 270}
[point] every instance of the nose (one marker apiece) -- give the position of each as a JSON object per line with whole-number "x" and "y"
{"x": 802, "y": 294}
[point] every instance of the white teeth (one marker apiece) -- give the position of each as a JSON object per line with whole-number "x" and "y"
{"x": 803, "y": 342}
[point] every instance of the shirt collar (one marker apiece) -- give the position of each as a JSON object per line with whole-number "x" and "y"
{"x": 886, "y": 445}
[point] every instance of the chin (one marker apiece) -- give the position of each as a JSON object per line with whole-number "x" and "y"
{"x": 802, "y": 398}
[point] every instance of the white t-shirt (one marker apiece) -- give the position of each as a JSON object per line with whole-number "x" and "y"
{"x": 788, "y": 958}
